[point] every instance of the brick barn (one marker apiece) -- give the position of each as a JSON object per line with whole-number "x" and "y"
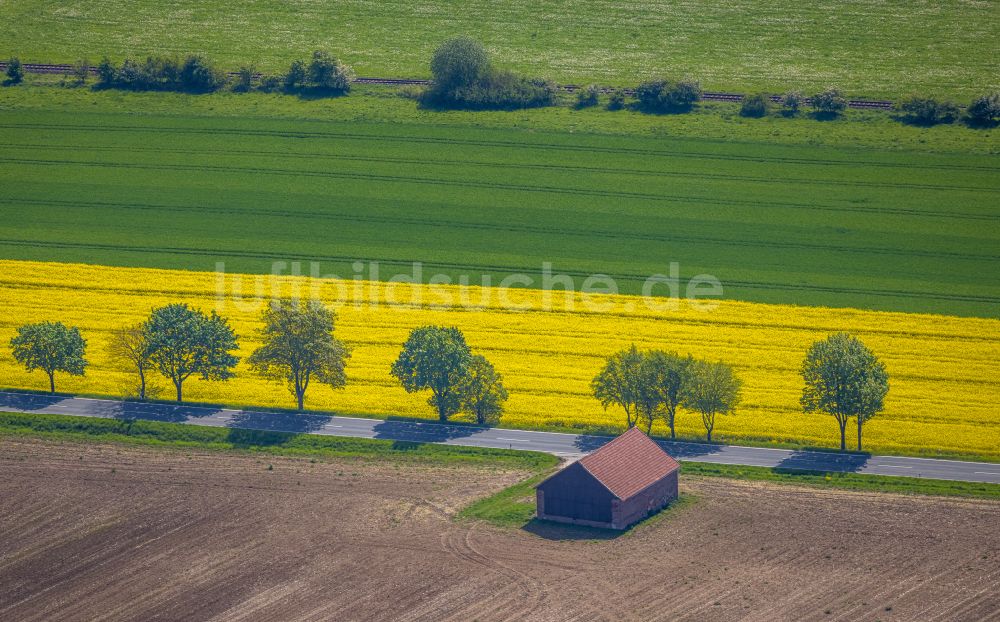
{"x": 614, "y": 487}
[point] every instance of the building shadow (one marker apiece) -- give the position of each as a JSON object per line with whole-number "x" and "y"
{"x": 423, "y": 432}
{"x": 551, "y": 530}
{"x": 823, "y": 461}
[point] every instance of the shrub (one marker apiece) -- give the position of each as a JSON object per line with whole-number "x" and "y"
{"x": 500, "y": 90}
{"x": 463, "y": 79}
{"x": 130, "y": 76}
{"x": 15, "y": 72}
{"x": 106, "y": 73}
{"x": 588, "y": 96}
{"x": 81, "y": 71}
{"x": 829, "y": 103}
{"x": 755, "y": 105}
{"x": 244, "y": 79}
{"x": 161, "y": 73}
{"x": 326, "y": 73}
{"x": 198, "y": 74}
{"x": 296, "y": 75}
{"x": 617, "y": 100}
{"x": 928, "y": 111}
{"x": 459, "y": 62}
{"x": 791, "y": 102}
{"x": 668, "y": 96}
{"x": 985, "y": 109}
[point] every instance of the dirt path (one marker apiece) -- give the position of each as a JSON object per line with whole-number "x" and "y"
{"x": 109, "y": 533}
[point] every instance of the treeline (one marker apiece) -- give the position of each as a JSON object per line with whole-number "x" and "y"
{"x": 465, "y": 78}
{"x": 842, "y": 378}
{"x": 322, "y": 74}
{"x": 298, "y": 349}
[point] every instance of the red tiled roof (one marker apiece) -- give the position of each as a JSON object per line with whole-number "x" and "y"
{"x": 629, "y": 463}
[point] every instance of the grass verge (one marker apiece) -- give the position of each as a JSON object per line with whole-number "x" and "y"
{"x": 845, "y": 481}
{"x": 158, "y": 434}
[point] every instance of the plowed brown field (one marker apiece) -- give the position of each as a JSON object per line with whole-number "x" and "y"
{"x": 111, "y": 533}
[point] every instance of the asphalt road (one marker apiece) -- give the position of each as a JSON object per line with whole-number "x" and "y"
{"x": 565, "y": 445}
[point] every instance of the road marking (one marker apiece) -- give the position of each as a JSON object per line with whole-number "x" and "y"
{"x": 896, "y": 466}
{"x": 986, "y": 473}
{"x": 516, "y": 440}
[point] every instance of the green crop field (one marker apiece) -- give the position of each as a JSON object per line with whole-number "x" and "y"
{"x": 775, "y": 223}
{"x": 868, "y": 47}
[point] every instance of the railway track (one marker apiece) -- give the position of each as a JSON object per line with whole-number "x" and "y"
{"x": 864, "y": 104}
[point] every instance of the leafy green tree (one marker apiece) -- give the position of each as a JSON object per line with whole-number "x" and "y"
{"x": 435, "y": 358}
{"x": 927, "y": 110}
{"x": 985, "y": 110}
{"x": 588, "y": 96}
{"x": 617, "y": 100}
{"x": 15, "y": 71}
{"x": 131, "y": 347}
{"x": 296, "y": 76}
{"x": 662, "y": 379}
{"x": 51, "y": 347}
{"x": 668, "y": 95}
{"x": 481, "y": 391}
{"x": 185, "y": 342}
{"x": 199, "y": 74}
{"x": 326, "y": 73}
{"x": 106, "y": 73}
{"x": 244, "y": 79}
{"x": 845, "y": 379}
{"x": 756, "y": 106}
{"x": 791, "y": 103}
{"x": 711, "y": 389}
{"x": 299, "y": 347}
{"x": 459, "y": 62}
{"x": 829, "y": 103}
{"x": 618, "y": 383}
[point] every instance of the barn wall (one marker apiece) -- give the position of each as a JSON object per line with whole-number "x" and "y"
{"x": 652, "y": 498}
{"x": 573, "y": 494}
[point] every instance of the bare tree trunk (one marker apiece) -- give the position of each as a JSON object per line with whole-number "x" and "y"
{"x": 52, "y": 382}
{"x": 843, "y": 439}
{"x": 300, "y": 398}
{"x": 179, "y": 384}
{"x": 860, "y": 423}
{"x": 142, "y": 384}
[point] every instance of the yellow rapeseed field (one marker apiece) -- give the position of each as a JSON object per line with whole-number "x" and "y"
{"x": 945, "y": 387}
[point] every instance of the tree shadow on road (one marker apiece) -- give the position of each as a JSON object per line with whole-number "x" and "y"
{"x": 823, "y": 461}
{"x": 423, "y": 432}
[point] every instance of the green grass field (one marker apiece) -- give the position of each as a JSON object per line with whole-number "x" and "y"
{"x": 774, "y": 222}
{"x": 870, "y": 48}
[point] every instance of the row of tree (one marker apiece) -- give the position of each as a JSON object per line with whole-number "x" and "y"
{"x": 179, "y": 342}
{"x": 842, "y": 378}
{"x": 298, "y": 348}
{"x": 653, "y": 384}
{"x": 464, "y": 77}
